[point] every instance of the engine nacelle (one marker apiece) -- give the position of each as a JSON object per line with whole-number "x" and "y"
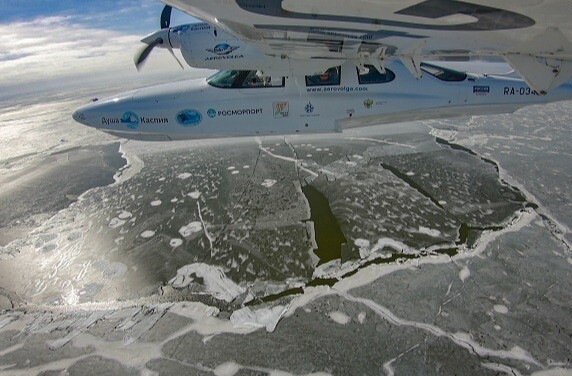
{"x": 204, "y": 46}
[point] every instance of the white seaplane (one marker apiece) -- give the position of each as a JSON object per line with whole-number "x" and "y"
{"x": 315, "y": 66}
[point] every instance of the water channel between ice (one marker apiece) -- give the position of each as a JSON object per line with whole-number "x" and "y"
{"x": 330, "y": 238}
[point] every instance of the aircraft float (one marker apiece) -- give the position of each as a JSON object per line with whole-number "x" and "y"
{"x": 316, "y": 66}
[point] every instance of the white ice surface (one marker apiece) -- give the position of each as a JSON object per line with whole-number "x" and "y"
{"x": 312, "y": 294}
{"x": 373, "y": 272}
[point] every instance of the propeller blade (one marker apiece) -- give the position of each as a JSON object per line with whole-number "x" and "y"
{"x": 166, "y": 17}
{"x": 158, "y": 38}
{"x": 175, "y": 56}
{"x": 143, "y": 54}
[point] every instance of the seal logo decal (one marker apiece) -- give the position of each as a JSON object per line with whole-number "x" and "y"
{"x": 130, "y": 119}
{"x": 188, "y": 118}
{"x": 222, "y": 49}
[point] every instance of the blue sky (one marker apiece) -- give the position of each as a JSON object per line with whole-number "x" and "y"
{"x": 50, "y": 44}
{"x": 123, "y": 15}
{"x": 22, "y": 10}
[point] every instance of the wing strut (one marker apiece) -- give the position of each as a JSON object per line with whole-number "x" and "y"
{"x": 375, "y": 59}
{"x": 412, "y": 59}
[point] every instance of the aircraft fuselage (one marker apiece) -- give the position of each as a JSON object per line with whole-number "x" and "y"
{"x": 249, "y": 103}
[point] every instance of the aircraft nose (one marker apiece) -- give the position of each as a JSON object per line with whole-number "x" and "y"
{"x": 79, "y": 116}
{"x": 86, "y": 114}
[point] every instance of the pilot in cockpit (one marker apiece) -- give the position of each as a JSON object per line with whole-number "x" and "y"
{"x": 325, "y": 77}
{"x": 328, "y": 77}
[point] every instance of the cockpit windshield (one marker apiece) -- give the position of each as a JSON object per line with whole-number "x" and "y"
{"x": 241, "y": 79}
{"x": 443, "y": 74}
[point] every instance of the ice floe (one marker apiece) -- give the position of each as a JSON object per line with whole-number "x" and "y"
{"x": 147, "y": 234}
{"x": 212, "y": 278}
{"x": 268, "y": 183}
{"x": 116, "y": 222}
{"x": 190, "y": 229}
{"x": 464, "y": 273}
{"x": 362, "y": 243}
{"x": 194, "y": 194}
{"x": 261, "y": 318}
{"x": 339, "y": 317}
{"x": 430, "y": 232}
{"x": 176, "y": 242}
{"x": 554, "y": 372}
{"x": 124, "y": 215}
{"x": 368, "y": 252}
{"x": 502, "y": 309}
{"x": 227, "y": 369}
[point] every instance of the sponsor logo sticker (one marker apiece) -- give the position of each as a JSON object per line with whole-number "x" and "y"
{"x": 281, "y": 109}
{"x": 309, "y": 108}
{"x": 211, "y": 112}
{"x": 238, "y": 112}
{"x": 223, "y": 49}
{"x": 188, "y": 118}
{"x": 481, "y": 90}
{"x": 368, "y": 103}
{"x": 130, "y": 119}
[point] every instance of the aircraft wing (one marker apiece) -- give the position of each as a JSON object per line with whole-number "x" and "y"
{"x": 533, "y": 36}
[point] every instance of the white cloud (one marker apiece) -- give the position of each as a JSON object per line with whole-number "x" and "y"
{"x": 53, "y": 50}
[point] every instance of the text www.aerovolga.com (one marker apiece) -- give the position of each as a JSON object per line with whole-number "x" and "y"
{"x": 335, "y": 89}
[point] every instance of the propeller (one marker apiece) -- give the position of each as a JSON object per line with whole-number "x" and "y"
{"x": 166, "y": 17}
{"x": 159, "y": 38}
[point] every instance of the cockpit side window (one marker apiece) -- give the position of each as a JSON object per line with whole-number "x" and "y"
{"x": 444, "y": 74}
{"x": 258, "y": 79}
{"x": 240, "y": 79}
{"x": 223, "y": 79}
{"x": 370, "y": 75}
{"x": 330, "y": 77}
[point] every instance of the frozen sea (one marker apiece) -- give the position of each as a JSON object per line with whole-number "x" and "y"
{"x": 429, "y": 248}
